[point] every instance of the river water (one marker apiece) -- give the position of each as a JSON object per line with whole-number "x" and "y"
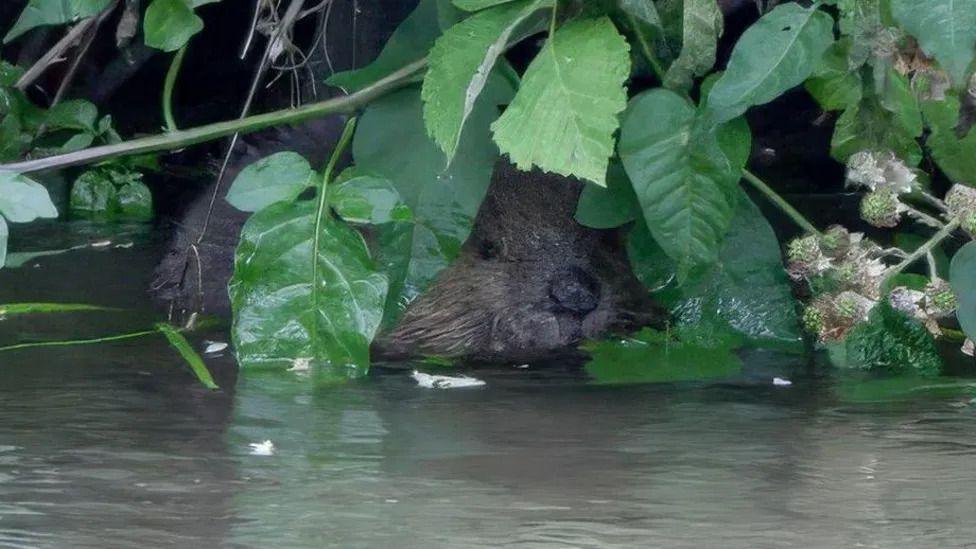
{"x": 116, "y": 445}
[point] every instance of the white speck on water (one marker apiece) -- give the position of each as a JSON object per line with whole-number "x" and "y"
{"x": 266, "y": 448}
{"x": 101, "y": 243}
{"x": 301, "y": 365}
{"x": 214, "y": 347}
{"x": 521, "y": 366}
{"x": 428, "y": 381}
{"x": 124, "y": 245}
{"x": 391, "y": 500}
{"x": 780, "y": 382}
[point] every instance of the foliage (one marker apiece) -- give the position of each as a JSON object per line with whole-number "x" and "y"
{"x": 111, "y": 194}
{"x": 962, "y": 274}
{"x": 892, "y": 343}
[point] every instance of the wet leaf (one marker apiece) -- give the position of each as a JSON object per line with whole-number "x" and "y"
{"x": 410, "y": 42}
{"x": 169, "y": 24}
{"x": 23, "y": 200}
{"x": 280, "y": 176}
{"x": 775, "y": 54}
{"x": 891, "y": 342}
{"x": 459, "y": 66}
{"x": 684, "y": 182}
{"x": 368, "y": 199}
{"x": 955, "y": 157}
{"x": 962, "y": 277}
{"x": 610, "y": 206}
{"x": 649, "y": 357}
{"x": 390, "y": 142}
{"x": 111, "y": 194}
{"x": 701, "y": 29}
{"x": 945, "y": 29}
{"x": 304, "y": 289}
{"x": 475, "y": 5}
{"x": 193, "y": 360}
{"x": 40, "y": 13}
{"x": 565, "y": 113}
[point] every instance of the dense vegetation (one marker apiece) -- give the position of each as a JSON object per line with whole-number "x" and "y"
{"x": 623, "y": 94}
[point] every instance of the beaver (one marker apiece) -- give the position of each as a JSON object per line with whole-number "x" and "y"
{"x": 529, "y": 281}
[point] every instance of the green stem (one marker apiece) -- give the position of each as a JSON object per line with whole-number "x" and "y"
{"x": 778, "y": 201}
{"x": 69, "y": 342}
{"x": 924, "y": 249}
{"x": 320, "y": 212}
{"x": 168, "y": 85}
{"x": 184, "y": 138}
{"x": 646, "y": 48}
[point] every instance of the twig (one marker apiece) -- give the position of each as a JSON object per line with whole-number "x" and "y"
{"x": 778, "y": 201}
{"x": 177, "y": 140}
{"x": 923, "y": 217}
{"x": 924, "y": 249}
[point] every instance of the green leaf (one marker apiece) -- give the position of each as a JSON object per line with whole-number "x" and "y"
{"x": 684, "y": 182}
{"x": 390, "y": 142}
{"x": 475, "y": 5}
{"x": 134, "y": 202}
{"x": 910, "y": 388}
{"x": 945, "y": 29}
{"x": 179, "y": 343}
{"x": 861, "y": 23}
{"x": 833, "y": 84}
{"x": 16, "y": 309}
{"x": 644, "y": 10}
{"x": 169, "y": 24}
{"x": 368, "y": 199}
{"x": 304, "y": 287}
{"x": 459, "y": 65}
{"x": 111, "y": 194}
{"x": 775, "y": 54}
{"x": 4, "y": 233}
{"x": 869, "y": 126}
{"x": 896, "y": 96}
{"x": 962, "y": 277}
{"x": 9, "y": 73}
{"x": 650, "y": 264}
{"x": 702, "y": 27}
{"x": 410, "y": 42}
{"x": 76, "y": 114}
{"x": 893, "y": 343}
{"x": 23, "y": 200}
{"x": 92, "y": 193}
{"x": 610, "y": 206}
{"x": 564, "y": 116}
{"x": 746, "y": 291}
{"x": 955, "y": 157}
{"x": 280, "y": 176}
{"x": 648, "y": 357}
{"x": 39, "y": 13}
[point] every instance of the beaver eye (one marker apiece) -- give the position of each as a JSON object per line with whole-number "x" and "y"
{"x": 487, "y": 249}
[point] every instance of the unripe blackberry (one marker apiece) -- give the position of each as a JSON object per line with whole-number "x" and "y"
{"x": 881, "y": 208}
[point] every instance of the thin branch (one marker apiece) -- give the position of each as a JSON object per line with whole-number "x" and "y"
{"x": 779, "y": 202}
{"x": 177, "y": 140}
{"x": 924, "y": 249}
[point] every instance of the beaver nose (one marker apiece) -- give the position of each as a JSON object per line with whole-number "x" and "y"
{"x": 575, "y": 291}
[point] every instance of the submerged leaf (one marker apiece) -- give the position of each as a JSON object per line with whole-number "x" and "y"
{"x": 460, "y": 64}
{"x": 565, "y": 113}
{"x": 945, "y": 29}
{"x": 702, "y": 27}
{"x": 962, "y": 276}
{"x": 304, "y": 288}
{"x": 775, "y": 54}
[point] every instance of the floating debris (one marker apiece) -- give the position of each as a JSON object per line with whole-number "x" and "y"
{"x": 213, "y": 347}
{"x": 429, "y": 381}
{"x": 780, "y": 382}
{"x": 301, "y": 365}
{"x": 266, "y": 448}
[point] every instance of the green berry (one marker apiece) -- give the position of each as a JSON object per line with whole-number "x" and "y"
{"x": 881, "y": 208}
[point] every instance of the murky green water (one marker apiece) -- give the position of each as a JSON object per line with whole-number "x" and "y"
{"x": 117, "y": 446}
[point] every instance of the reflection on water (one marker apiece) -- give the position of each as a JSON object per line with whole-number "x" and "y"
{"x": 115, "y": 446}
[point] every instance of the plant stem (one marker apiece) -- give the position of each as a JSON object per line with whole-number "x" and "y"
{"x": 68, "y": 342}
{"x": 344, "y": 139}
{"x": 778, "y": 201}
{"x": 924, "y": 249}
{"x": 923, "y": 217}
{"x": 646, "y": 48}
{"x": 183, "y": 138}
{"x": 168, "y": 85}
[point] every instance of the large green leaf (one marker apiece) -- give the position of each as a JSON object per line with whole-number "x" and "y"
{"x": 410, "y": 42}
{"x": 23, "y": 200}
{"x": 833, "y": 84}
{"x": 4, "y": 233}
{"x": 775, "y": 54}
{"x": 701, "y": 29}
{"x": 280, "y": 176}
{"x": 946, "y": 30}
{"x": 53, "y": 12}
{"x": 475, "y": 5}
{"x": 962, "y": 277}
{"x": 459, "y": 65}
{"x": 565, "y": 113}
{"x": 956, "y": 157}
{"x": 304, "y": 287}
{"x": 649, "y": 357}
{"x": 390, "y": 142}
{"x": 890, "y": 342}
{"x": 169, "y": 24}
{"x": 746, "y": 290}
{"x": 684, "y": 182}
{"x": 610, "y": 206}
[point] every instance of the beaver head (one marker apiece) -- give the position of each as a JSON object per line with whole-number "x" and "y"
{"x": 529, "y": 281}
